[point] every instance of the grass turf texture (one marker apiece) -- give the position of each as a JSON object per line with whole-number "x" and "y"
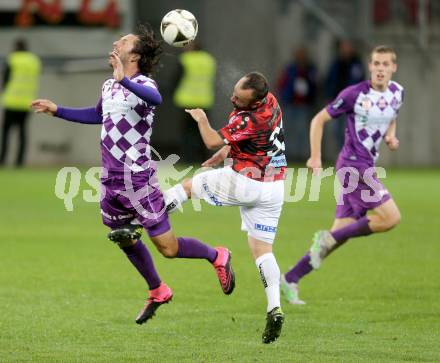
{"x": 68, "y": 295}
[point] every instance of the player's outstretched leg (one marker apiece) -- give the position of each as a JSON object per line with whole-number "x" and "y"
{"x": 157, "y": 297}
{"x": 290, "y": 280}
{"x": 126, "y": 233}
{"x": 290, "y": 291}
{"x": 323, "y": 243}
{"x": 223, "y": 268}
{"x": 140, "y": 257}
{"x": 174, "y": 198}
{"x": 219, "y": 257}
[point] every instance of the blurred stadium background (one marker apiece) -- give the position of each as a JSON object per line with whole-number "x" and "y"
{"x": 67, "y": 295}
{"x": 249, "y": 35}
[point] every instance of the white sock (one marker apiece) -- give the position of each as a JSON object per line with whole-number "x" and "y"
{"x": 270, "y": 276}
{"x": 175, "y": 197}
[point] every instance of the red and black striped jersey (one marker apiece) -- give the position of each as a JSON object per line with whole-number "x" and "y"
{"x": 256, "y": 138}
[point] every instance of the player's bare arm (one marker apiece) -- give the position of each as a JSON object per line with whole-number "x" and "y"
{"x": 211, "y": 138}
{"x": 44, "y": 106}
{"x": 218, "y": 157}
{"x": 390, "y": 137}
{"x": 316, "y": 132}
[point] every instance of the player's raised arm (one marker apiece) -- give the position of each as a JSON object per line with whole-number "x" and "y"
{"x": 218, "y": 157}
{"x": 44, "y": 106}
{"x": 147, "y": 93}
{"x": 88, "y": 115}
{"x": 316, "y": 132}
{"x": 211, "y": 138}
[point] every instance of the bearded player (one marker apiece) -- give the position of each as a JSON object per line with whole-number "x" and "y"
{"x": 254, "y": 142}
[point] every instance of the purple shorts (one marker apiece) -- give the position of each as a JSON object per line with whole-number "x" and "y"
{"x": 140, "y": 197}
{"x": 365, "y": 194}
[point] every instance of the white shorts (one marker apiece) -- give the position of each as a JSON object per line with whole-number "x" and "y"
{"x": 260, "y": 202}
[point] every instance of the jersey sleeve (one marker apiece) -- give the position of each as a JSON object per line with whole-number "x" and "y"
{"x": 241, "y": 128}
{"x": 401, "y": 101}
{"x": 144, "y": 89}
{"x": 88, "y": 115}
{"x": 98, "y": 107}
{"x": 343, "y": 103}
{"x": 398, "y": 96}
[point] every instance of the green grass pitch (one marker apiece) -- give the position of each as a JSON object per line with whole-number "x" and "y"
{"x": 68, "y": 295}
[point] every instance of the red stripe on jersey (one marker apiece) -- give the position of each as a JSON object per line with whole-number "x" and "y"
{"x": 255, "y": 137}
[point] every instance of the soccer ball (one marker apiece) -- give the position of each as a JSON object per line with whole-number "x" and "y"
{"x": 178, "y": 27}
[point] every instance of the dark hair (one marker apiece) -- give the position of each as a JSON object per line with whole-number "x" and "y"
{"x": 148, "y": 48}
{"x": 382, "y": 49}
{"x": 20, "y": 45}
{"x": 258, "y": 83}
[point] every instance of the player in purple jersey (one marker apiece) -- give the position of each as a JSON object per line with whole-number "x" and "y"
{"x": 371, "y": 108}
{"x": 130, "y": 190}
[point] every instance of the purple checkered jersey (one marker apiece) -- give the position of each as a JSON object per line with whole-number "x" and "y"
{"x": 369, "y": 114}
{"x": 126, "y": 126}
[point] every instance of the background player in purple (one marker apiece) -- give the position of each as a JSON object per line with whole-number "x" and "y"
{"x": 129, "y": 183}
{"x": 371, "y": 108}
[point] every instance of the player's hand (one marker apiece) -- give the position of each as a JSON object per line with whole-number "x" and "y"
{"x": 218, "y": 157}
{"x": 315, "y": 164}
{"x": 197, "y": 114}
{"x": 44, "y": 106}
{"x": 392, "y": 142}
{"x": 118, "y": 68}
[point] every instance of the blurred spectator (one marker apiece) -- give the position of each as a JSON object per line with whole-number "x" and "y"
{"x": 345, "y": 70}
{"x": 20, "y": 84}
{"x": 297, "y": 95}
{"x": 195, "y": 89}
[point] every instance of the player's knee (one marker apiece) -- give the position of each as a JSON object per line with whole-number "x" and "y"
{"x": 167, "y": 251}
{"x": 391, "y": 221}
{"x": 394, "y": 220}
{"x": 187, "y": 186}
